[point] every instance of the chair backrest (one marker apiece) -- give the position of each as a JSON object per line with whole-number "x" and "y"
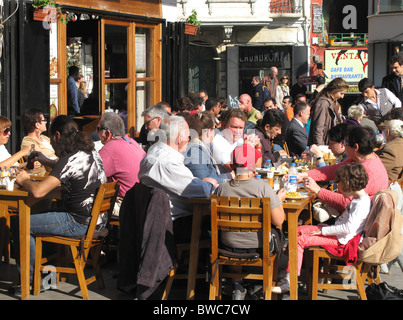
{"x": 240, "y": 214}
{"x": 103, "y": 203}
{"x": 382, "y": 240}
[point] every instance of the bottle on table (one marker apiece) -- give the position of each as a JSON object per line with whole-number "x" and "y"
{"x": 292, "y": 179}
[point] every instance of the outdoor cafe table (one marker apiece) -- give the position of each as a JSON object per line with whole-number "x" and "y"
{"x": 18, "y": 199}
{"x": 292, "y": 209}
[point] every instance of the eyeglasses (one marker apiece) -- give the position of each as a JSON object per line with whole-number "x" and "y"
{"x": 43, "y": 120}
{"x": 146, "y": 124}
{"x": 101, "y": 128}
{"x": 6, "y": 131}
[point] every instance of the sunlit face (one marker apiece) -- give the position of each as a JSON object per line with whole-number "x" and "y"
{"x": 204, "y": 96}
{"x": 397, "y": 69}
{"x": 5, "y": 135}
{"x": 305, "y": 114}
{"x": 272, "y": 132}
{"x": 235, "y": 128}
{"x": 42, "y": 123}
{"x": 183, "y": 140}
{"x": 254, "y": 82}
{"x": 269, "y": 105}
{"x": 151, "y": 123}
{"x": 337, "y": 148}
{"x": 286, "y": 103}
{"x": 246, "y": 101}
{"x": 339, "y": 94}
{"x": 369, "y": 93}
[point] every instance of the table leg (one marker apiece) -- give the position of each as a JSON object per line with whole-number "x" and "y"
{"x": 194, "y": 251}
{"x": 292, "y": 221}
{"x": 25, "y": 226}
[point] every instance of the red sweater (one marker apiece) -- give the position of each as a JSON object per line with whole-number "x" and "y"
{"x": 377, "y": 180}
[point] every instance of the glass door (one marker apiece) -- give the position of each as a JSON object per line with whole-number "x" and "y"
{"x": 130, "y": 69}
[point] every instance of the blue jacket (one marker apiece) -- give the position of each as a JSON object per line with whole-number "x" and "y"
{"x": 199, "y": 160}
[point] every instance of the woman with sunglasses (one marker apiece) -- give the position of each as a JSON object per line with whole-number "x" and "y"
{"x": 35, "y": 124}
{"x": 78, "y": 174}
{"x": 282, "y": 90}
{"x": 6, "y": 159}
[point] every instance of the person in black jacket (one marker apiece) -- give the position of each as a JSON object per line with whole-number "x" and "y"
{"x": 394, "y": 81}
{"x": 297, "y": 137}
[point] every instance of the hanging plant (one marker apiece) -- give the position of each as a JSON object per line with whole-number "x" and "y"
{"x": 47, "y": 10}
{"x": 192, "y": 24}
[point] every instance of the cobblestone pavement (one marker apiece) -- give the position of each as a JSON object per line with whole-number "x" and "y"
{"x": 70, "y": 291}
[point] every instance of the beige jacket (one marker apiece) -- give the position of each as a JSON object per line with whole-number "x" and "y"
{"x": 41, "y": 147}
{"x": 392, "y": 158}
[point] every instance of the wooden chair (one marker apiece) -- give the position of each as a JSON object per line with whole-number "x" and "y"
{"x": 81, "y": 247}
{"x": 173, "y": 274}
{"x": 352, "y": 277}
{"x": 383, "y": 212}
{"x": 245, "y": 214}
{"x": 285, "y": 148}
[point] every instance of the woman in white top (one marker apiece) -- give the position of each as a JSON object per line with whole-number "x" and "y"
{"x": 282, "y": 90}
{"x": 35, "y": 124}
{"x": 6, "y": 159}
{"x": 351, "y": 181}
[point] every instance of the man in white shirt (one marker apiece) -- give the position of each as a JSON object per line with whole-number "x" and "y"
{"x": 164, "y": 168}
{"x": 297, "y": 136}
{"x": 377, "y": 103}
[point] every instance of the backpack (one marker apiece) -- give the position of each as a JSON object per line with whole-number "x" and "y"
{"x": 382, "y": 239}
{"x": 266, "y": 93}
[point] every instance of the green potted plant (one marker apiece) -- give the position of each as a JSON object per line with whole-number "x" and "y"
{"x": 192, "y": 24}
{"x": 47, "y": 10}
{"x": 332, "y": 39}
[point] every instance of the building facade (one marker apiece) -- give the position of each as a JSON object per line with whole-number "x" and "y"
{"x": 385, "y": 25}
{"x": 244, "y": 38}
{"x": 116, "y": 45}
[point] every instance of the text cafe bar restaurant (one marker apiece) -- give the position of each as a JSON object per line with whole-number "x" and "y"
{"x": 115, "y": 44}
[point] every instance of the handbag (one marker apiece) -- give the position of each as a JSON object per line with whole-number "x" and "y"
{"x": 383, "y": 291}
{"x": 323, "y": 212}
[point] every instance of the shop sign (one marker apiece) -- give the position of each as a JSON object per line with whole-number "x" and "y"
{"x": 351, "y": 65}
{"x": 265, "y": 57}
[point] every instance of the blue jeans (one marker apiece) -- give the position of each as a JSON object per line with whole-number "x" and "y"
{"x": 53, "y": 223}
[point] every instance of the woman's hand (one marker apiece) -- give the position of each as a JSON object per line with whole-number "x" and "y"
{"x": 317, "y": 232}
{"x": 311, "y": 185}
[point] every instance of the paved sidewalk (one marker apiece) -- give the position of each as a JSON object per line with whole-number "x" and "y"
{"x": 70, "y": 290}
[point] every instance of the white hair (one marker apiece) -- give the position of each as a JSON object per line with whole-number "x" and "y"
{"x": 395, "y": 128}
{"x": 173, "y": 127}
{"x": 355, "y": 112}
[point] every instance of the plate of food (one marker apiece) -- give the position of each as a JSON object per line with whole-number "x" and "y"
{"x": 296, "y": 195}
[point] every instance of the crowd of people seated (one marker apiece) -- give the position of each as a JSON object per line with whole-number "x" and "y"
{"x": 199, "y": 146}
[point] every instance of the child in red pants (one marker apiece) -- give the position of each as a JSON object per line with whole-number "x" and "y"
{"x": 351, "y": 181}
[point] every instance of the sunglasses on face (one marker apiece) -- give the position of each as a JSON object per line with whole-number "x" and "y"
{"x": 146, "y": 124}
{"x": 6, "y": 131}
{"x": 101, "y": 129}
{"x": 43, "y": 120}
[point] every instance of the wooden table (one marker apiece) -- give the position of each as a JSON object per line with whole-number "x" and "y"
{"x": 18, "y": 199}
{"x": 201, "y": 207}
{"x": 292, "y": 209}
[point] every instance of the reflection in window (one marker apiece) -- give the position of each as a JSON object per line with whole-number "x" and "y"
{"x": 115, "y": 51}
{"x": 116, "y": 96}
{"x": 143, "y": 53}
{"x": 143, "y": 100}
{"x": 390, "y": 5}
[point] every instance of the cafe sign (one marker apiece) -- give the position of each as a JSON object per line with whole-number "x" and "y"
{"x": 265, "y": 57}
{"x": 351, "y": 65}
